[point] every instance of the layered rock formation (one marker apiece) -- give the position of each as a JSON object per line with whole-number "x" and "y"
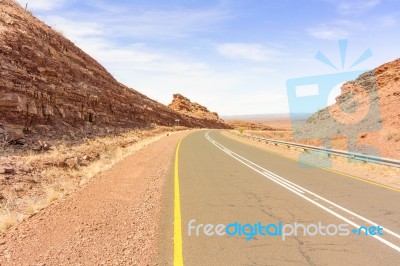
{"x": 50, "y": 87}
{"x": 366, "y": 112}
{"x": 183, "y": 105}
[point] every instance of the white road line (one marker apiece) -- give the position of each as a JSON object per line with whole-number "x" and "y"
{"x": 298, "y": 190}
{"x": 284, "y": 182}
{"x": 316, "y": 195}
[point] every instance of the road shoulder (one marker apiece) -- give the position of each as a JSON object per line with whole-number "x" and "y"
{"x": 114, "y": 220}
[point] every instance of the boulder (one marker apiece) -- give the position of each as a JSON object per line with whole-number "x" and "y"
{"x": 7, "y": 170}
{"x": 14, "y": 135}
{"x": 71, "y": 162}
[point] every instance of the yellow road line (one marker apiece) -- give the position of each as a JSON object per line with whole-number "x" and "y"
{"x": 178, "y": 255}
{"x": 326, "y": 169}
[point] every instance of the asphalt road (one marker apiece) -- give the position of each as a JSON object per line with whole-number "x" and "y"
{"x": 216, "y": 180}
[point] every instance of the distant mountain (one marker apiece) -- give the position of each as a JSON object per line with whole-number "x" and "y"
{"x": 266, "y": 117}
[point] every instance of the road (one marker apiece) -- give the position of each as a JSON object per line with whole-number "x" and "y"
{"x": 216, "y": 180}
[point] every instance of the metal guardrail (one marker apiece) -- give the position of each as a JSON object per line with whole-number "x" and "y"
{"x": 329, "y": 152}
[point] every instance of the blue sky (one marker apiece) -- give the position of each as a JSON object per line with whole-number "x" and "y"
{"x": 234, "y": 56}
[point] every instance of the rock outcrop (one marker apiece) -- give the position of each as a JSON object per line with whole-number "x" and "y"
{"x": 50, "y": 87}
{"x": 184, "y": 106}
{"x": 367, "y": 110}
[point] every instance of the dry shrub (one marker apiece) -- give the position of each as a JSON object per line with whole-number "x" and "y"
{"x": 7, "y": 219}
{"x": 53, "y": 194}
{"x": 33, "y": 206}
{"x": 392, "y": 135}
{"x": 52, "y": 180}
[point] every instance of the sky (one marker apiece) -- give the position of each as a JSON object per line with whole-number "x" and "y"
{"x": 233, "y": 56}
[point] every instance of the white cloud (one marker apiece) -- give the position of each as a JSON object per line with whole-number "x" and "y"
{"x": 387, "y": 21}
{"x": 352, "y": 7}
{"x": 142, "y": 48}
{"x": 337, "y": 29}
{"x": 161, "y": 24}
{"x": 159, "y": 74}
{"x": 253, "y": 52}
{"x": 75, "y": 29}
{"x": 92, "y": 38}
{"x": 135, "y": 20}
{"x": 42, "y": 5}
{"x": 326, "y": 32}
{"x": 259, "y": 71}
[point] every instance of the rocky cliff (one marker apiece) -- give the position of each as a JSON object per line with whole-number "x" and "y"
{"x": 49, "y": 87}
{"x": 367, "y": 111}
{"x": 184, "y": 106}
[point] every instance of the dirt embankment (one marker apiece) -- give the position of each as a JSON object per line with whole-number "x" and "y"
{"x": 113, "y": 221}
{"x": 31, "y": 180}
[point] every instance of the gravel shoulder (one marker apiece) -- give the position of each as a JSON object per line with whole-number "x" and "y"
{"x": 113, "y": 220}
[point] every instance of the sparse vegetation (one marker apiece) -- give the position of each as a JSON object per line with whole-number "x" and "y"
{"x": 33, "y": 206}
{"x": 241, "y": 130}
{"x": 7, "y": 219}
{"x": 392, "y": 136}
{"x": 53, "y": 174}
{"x": 52, "y": 194}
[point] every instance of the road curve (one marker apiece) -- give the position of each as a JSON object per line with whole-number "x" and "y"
{"x": 223, "y": 183}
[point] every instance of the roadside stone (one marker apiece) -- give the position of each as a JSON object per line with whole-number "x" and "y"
{"x": 14, "y": 134}
{"x": 26, "y": 169}
{"x": 87, "y": 158}
{"x": 43, "y": 146}
{"x": 72, "y": 162}
{"x": 7, "y": 170}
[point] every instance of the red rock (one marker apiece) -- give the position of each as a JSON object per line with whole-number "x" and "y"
{"x": 47, "y": 81}
{"x": 14, "y": 134}
{"x": 381, "y": 126}
{"x": 6, "y": 170}
{"x": 184, "y": 106}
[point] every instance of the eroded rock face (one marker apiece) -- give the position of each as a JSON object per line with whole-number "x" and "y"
{"x": 51, "y": 87}
{"x": 183, "y": 105}
{"x": 367, "y": 110}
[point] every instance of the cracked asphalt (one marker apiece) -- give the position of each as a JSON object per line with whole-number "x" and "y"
{"x": 216, "y": 188}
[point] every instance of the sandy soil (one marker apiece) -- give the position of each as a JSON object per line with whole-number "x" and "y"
{"x": 381, "y": 174}
{"x": 277, "y": 123}
{"x": 42, "y": 177}
{"x": 112, "y": 221}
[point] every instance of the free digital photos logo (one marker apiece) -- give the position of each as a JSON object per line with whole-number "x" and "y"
{"x": 279, "y": 229}
{"x": 356, "y": 110}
